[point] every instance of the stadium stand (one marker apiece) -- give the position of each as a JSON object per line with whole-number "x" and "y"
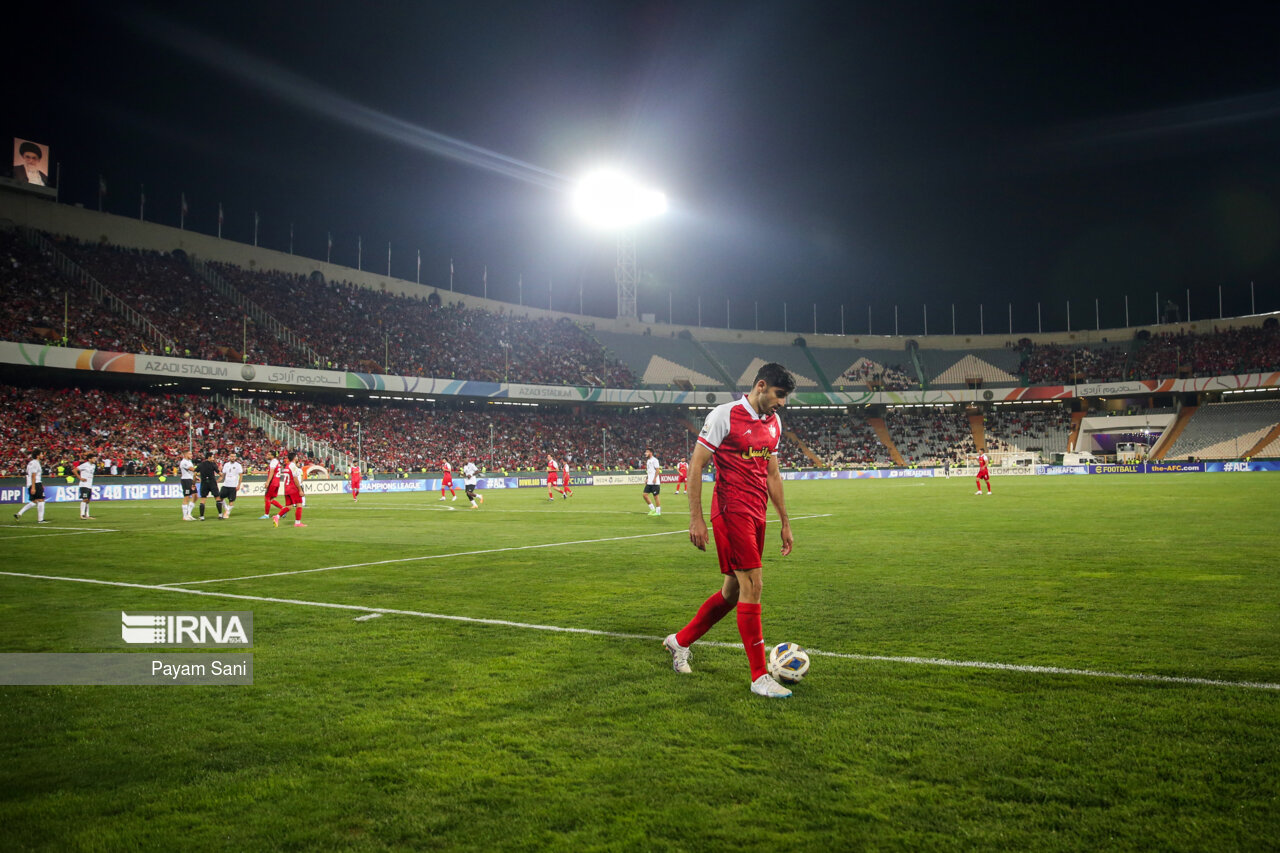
{"x": 143, "y": 429}
{"x": 859, "y": 369}
{"x": 136, "y": 430}
{"x": 1053, "y": 364}
{"x": 743, "y": 360}
{"x": 40, "y": 302}
{"x": 1227, "y": 431}
{"x": 365, "y": 330}
{"x": 1045, "y": 429}
{"x": 839, "y": 439}
{"x": 163, "y": 289}
{"x": 673, "y": 362}
{"x": 355, "y": 328}
{"x": 960, "y": 368}
{"x": 927, "y": 435}
{"x": 417, "y": 437}
{"x": 1224, "y": 352}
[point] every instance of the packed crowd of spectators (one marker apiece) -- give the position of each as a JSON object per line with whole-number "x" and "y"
{"x": 408, "y": 437}
{"x": 165, "y": 290}
{"x": 134, "y": 432}
{"x": 1053, "y": 364}
{"x": 837, "y": 438}
{"x": 41, "y": 306}
{"x": 1224, "y": 352}
{"x": 931, "y": 436}
{"x": 356, "y": 328}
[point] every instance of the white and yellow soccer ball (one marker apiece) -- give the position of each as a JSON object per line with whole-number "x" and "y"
{"x": 788, "y": 662}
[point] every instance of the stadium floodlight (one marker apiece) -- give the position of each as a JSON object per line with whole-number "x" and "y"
{"x": 607, "y": 200}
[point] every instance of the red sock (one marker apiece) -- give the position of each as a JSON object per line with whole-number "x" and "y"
{"x": 297, "y": 513}
{"x": 266, "y": 506}
{"x": 752, "y": 637}
{"x": 711, "y": 612}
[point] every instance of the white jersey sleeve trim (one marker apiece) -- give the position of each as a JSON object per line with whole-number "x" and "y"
{"x": 716, "y": 426}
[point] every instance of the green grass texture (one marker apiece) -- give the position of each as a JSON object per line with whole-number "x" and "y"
{"x": 1073, "y": 663}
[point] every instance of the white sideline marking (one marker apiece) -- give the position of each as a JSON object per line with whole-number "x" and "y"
{"x": 561, "y": 511}
{"x": 443, "y": 556}
{"x": 592, "y": 632}
{"x": 416, "y": 559}
{"x": 14, "y": 525}
{"x": 38, "y": 534}
{"x": 367, "y": 617}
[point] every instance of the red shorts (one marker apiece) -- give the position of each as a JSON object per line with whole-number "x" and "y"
{"x": 565, "y": 482}
{"x": 739, "y": 541}
{"x": 552, "y": 479}
{"x": 292, "y": 497}
{"x": 355, "y": 482}
{"x": 984, "y": 474}
{"x": 681, "y": 479}
{"x": 447, "y": 481}
{"x": 273, "y": 489}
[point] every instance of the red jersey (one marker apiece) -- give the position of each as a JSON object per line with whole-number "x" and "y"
{"x": 683, "y": 469}
{"x": 565, "y": 473}
{"x": 355, "y": 473}
{"x": 552, "y": 468}
{"x": 742, "y": 443}
{"x": 273, "y": 472}
{"x": 982, "y": 464}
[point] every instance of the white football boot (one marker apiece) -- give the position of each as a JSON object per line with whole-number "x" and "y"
{"x": 766, "y": 686}
{"x": 679, "y": 654}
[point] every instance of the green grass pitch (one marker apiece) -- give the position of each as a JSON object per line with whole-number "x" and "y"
{"x": 412, "y": 731}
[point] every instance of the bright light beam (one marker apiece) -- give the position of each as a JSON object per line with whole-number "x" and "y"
{"x": 609, "y": 200}
{"x": 305, "y": 94}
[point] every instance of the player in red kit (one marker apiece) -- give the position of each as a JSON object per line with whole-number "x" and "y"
{"x": 682, "y": 477}
{"x": 291, "y": 483}
{"x": 984, "y": 476}
{"x": 355, "y": 481}
{"x": 273, "y": 486}
{"x": 565, "y": 491}
{"x": 553, "y": 478}
{"x": 446, "y": 481}
{"x": 742, "y": 438}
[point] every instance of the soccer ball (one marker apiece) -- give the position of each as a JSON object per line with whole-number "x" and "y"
{"x": 788, "y": 662}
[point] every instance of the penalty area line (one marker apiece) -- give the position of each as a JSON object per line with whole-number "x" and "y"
{"x": 371, "y": 612}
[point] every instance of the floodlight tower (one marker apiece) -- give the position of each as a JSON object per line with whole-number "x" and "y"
{"x": 626, "y": 273}
{"x": 610, "y": 201}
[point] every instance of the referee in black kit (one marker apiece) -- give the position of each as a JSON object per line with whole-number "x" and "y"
{"x": 207, "y": 478}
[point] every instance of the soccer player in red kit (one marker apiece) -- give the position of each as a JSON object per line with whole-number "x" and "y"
{"x": 741, "y": 437}
{"x": 355, "y": 481}
{"x": 273, "y": 485}
{"x": 983, "y": 474}
{"x": 565, "y": 491}
{"x": 553, "y": 478}
{"x": 291, "y": 482}
{"x": 682, "y": 477}
{"x": 446, "y": 482}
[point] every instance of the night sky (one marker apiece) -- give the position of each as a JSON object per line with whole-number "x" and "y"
{"x": 855, "y": 154}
